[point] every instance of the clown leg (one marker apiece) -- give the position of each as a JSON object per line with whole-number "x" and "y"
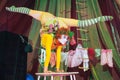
{"x": 82, "y": 23}
{"x": 58, "y": 56}
{"x": 23, "y": 10}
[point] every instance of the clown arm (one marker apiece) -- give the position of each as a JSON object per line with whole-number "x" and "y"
{"x": 46, "y": 41}
{"x": 58, "y": 55}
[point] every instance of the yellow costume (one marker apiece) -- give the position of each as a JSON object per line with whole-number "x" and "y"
{"x": 46, "y": 42}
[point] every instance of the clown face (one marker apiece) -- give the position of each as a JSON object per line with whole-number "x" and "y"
{"x": 63, "y": 39}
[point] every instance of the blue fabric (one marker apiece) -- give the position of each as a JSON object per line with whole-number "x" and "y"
{"x": 29, "y": 77}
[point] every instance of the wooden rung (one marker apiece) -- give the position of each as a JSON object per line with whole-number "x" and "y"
{"x": 83, "y": 58}
{"x": 81, "y": 12}
{"x": 82, "y": 39}
{"x": 82, "y": 68}
{"x": 81, "y": 2}
{"x": 84, "y": 16}
{"x": 64, "y": 11}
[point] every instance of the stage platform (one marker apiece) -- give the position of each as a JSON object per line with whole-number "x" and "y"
{"x": 53, "y": 74}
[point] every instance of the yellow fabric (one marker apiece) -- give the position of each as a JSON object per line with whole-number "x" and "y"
{"x": 43, "y": 17}
{"x": 68, "y": 21}
{"x": 36, "y": 14}
{"x": 58, "y": 55}
{"x": 46, "y": 42}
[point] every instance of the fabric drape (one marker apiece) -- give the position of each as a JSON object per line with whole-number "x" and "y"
{"x": 99, "y": 37}
{"x": 13, "y": 58}
{"x": 114, "y": 25}
{"x": 14, "y": 22}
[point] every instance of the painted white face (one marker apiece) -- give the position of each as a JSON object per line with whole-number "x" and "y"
{"x": 63, "y": 39}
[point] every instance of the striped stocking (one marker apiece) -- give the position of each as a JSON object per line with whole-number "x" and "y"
{"x": 18, "y": 9}
{"x": 89, "y": 22}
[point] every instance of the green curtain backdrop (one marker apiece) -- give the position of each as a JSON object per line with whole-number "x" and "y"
{"x": 99, "y": 36}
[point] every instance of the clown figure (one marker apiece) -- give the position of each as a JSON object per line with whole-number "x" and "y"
{"x": 54, "y": 42}
{"x": 54, "y": 32}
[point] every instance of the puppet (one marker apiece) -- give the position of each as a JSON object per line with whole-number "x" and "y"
{"x": 55, "y": 35}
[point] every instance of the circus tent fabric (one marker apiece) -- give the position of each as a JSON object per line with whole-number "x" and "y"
{"x": 103, "y": 35}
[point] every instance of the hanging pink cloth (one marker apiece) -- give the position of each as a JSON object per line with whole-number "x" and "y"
{"x": 106, "y": 57}
{"x": 70, "y": 57}
{"x": 109, "y": 56}
{"x": 77, "y": 57}
{"x": 81, "y": 55}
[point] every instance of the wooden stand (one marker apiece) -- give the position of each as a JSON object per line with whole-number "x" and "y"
{"x": 71, "y": 74}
